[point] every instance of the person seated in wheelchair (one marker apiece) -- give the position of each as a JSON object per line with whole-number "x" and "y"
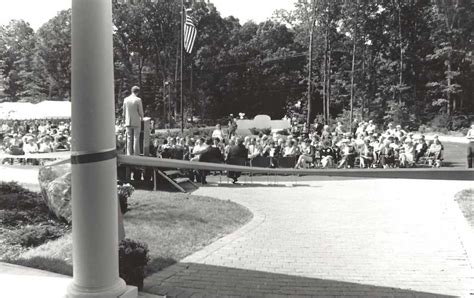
{"x": 407, "y": 158}
{"x": 307, "y": 155}
{"x": 435, "y": 153}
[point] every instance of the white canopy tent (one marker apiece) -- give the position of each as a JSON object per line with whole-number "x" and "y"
{"x": 28, "y": 111}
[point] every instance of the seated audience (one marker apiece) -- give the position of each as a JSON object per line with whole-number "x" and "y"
{"x": 307, "y": 155}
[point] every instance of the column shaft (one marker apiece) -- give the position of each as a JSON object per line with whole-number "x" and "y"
{"x": 94, "y": 188}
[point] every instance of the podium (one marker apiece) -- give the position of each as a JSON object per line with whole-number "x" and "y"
{"x": 145, "y": 137}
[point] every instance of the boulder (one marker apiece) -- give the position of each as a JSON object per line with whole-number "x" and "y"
{"x": 55, "y": 185}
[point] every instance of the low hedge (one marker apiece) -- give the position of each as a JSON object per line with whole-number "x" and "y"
{"x": 133, "y": 258}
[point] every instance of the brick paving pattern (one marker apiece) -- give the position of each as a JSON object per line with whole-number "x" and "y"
{"x": 347, "y": 238}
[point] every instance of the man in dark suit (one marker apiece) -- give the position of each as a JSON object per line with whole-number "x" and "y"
{"x": 237, "y": 155}
{"x": 211, "y": 154}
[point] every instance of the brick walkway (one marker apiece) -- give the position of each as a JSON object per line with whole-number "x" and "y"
{"x": 366, "y": 238}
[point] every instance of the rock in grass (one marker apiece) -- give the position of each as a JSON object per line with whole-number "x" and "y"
{"x": 55, "y": 185}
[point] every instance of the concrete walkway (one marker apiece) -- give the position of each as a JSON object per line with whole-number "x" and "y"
{"x": 25, "y": 282}
{"x": 365, "y": 238}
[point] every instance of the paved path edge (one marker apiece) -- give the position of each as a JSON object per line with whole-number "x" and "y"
{"x": 255, "y": 222}
{"x": 465, "y": 231}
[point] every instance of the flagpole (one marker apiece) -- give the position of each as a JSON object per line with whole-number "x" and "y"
{"x": 181, "y": 71}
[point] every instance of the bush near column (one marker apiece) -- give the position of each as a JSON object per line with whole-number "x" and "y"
{"x": 133, "y": 258}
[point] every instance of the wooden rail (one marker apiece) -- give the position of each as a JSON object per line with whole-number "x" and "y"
{"x": 412, "y": 173}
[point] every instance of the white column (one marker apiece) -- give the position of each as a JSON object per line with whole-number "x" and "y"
{"x": 94, "y": 173}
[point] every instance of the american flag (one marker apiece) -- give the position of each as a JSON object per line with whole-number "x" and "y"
{"x": 189, "y": 33}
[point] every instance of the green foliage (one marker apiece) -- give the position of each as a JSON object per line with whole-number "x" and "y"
{"x": 378, "y": 55}
{"x": 19, "y": 206}
{"x": 400, "y": 114}
{"x": 32, "y": 236}
{"x": 445, "y": 122}
{"x": 133, "y": 257}
{"x": 52, "y": 59}
{"x": 283, "y": 132}
{"x": 205, "y": 132}
{"x": 17, "y": 42}
{"x": 257, "y": 131}
{"x": 25, "y": 217}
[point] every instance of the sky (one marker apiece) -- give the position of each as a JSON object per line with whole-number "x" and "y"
{"x": 37, "y": 12}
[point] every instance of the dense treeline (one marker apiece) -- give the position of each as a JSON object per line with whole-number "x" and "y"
{"x": 407, "y": 61}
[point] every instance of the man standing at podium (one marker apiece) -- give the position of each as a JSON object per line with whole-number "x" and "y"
{"x": 133, "y": 115}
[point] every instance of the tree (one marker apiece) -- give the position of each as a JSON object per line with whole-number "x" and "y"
{"x": 52, "y": 59}
{"x": 16, "y": 47}
{"x": 453, "y": 25}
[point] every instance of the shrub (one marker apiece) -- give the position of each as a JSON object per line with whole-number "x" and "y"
{"x": 19, "y": 206}
{"x": 283, "y": 132}
{"x": 258, "y": 131}
{"x": 440, "y": 121}
{"x": 133, "y": 257}
{"x": 124, "y": 192}
{"x": 11, "y": 187}
{"x": 266, "y": 131}
{"x": 254, "y": 130}
{"x": 35, "y": 235}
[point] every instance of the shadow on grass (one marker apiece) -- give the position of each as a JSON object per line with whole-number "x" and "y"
{"x": 158, "y": 264}
{"x": 186, "y": 279}
{"x": 45, "y": 263}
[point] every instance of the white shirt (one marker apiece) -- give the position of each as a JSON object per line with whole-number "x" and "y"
{"x": 470, "y": 135}
{"x": 217, "y": 133}
{"x": 30, "y": 148}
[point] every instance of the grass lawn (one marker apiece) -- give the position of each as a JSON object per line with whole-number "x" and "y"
{"x": 465, "y": 200}
{"x": 173, "y": 225}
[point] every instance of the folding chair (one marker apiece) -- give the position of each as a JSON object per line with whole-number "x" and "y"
{"x": 236, "y": 162}
{"x": 260, "y": 162}
{"x": 287, "y": 162}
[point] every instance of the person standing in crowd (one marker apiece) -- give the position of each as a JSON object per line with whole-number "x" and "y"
{"x": 217, "y": 133}
{"x": 339, "y": 129}
{"x": 470, "y": 146}
{"x": 133, "y": 115}
{"x": 232, "y": 126}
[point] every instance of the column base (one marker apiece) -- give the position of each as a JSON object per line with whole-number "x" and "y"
{"x": 119, "y": 290}
{"x": 130, "y": 292}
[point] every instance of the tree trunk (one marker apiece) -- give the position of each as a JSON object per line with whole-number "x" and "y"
{"x": 448, "y": 79}
{"x": 176, "y": 75}
{"x": 363, "y": 99}
{"x": 400, "y": 82}
{"x": 329, "y": 85}
{"x": 191, "y": 96}
{"x": 352, "y": 79}
{"x": 310, "y": 63}
{"x": 325, "y": 67}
